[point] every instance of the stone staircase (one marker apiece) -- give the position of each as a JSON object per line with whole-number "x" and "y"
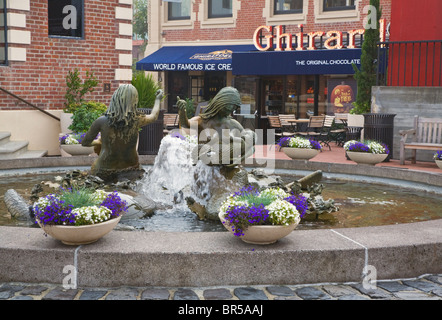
{"x": 17, "y": 149}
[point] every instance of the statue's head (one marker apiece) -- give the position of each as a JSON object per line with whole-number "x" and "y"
{"x": 123, "y": 104}
{"x": 225, "y": 101}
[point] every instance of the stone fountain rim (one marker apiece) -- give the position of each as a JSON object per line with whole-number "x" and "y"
{"x": 393, "y": 174}
{"x": 397, "y": 251}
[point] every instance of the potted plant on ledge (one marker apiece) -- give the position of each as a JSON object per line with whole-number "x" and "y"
{"x": 366, "y": 152}
{"x": 262, "y": 217}
{"x": 300, "y": 148}
{"x": 79, "y": 216}
{"x": 82, "y": 119}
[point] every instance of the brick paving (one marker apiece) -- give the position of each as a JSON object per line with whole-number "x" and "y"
{"x": 426, "y": 287}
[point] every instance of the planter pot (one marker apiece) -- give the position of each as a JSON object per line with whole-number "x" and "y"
{"x": 265, "y": 234}
{"x": 77, "y": 149}
{"x": 72, "y": 235}
{"x": 439, "y": 163}
{"x": 366, "y": 158}
{"x": 300, "y": 153}
{"x": 65, "y": 122}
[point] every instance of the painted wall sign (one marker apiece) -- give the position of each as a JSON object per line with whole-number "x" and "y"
{"x": 268, "y": 38}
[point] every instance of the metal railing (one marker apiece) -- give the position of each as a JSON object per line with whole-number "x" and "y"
{"x": 29, "y": 104}
{"x": 409, "y": 63}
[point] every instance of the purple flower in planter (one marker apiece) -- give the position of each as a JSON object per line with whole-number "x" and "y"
{"x": 315, "y": 144}
{"x": 358, "y": 147}
{"x": 240, "y": 217}
{"x": 300, "y": 202}
{"x": 114, "y": 203}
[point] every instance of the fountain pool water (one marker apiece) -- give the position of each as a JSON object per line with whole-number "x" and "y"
{"x": 361, "y": 204}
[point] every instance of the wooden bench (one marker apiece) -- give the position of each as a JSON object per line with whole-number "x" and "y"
{"x": 425, "y": 135}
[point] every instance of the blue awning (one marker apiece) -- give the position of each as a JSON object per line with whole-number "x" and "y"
{"x": 296, "y": 62}
{"x": 192, "y": 58}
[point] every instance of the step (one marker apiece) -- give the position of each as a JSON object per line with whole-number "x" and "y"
{"x": 12, "y": 149}
{"x": 31, "y": 154}
{"x": 4, "y": 137}
{"x": 17, "y": 149}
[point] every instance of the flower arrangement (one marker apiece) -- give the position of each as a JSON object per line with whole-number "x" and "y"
{"x": 366, "y": 146}
{"x": 438, "y": 155}
{"x": 299, "y": 142}
{"x": 72, "y": 138}
{"x": 272, "y": 206}
{"x": 77, "y": 207}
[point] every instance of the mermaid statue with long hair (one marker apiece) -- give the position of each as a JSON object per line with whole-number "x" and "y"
{"x": 119, "y": 128}
{"x": 221, "y": 139}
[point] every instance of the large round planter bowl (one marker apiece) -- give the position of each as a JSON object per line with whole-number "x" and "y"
{"x": 265, "y": 234}
{"x": 78, "y": 235}
{"x": 366, "y": 157}
{"x": 65, "y": 122}
{"x": 439, "y": 163}
{"x": 300, "y": 153}
{"x": 77, "y": 149}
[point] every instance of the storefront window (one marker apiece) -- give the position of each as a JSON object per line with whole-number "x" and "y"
{"x": 177, "y": 86}
{"x": 3, "y": 34}
{"x": 179, "y": 10}
{"x": 287, "y": 6}
{"x": 197, "y": 88}
{"x": 294, "y": 94}
{"x": 246, "y": 113}
{"x": 65, "y": 18}
{"x": 220, "y": 8}
{"x": 332, "y": 5}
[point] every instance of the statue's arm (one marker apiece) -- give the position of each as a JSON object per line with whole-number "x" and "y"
{"x": 153, "y": 116}
{"x": 183, "y": 121}
{"x": 89, "y": 139}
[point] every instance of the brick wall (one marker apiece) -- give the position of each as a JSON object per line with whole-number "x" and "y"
{"x": 38, "y": 73}
{"x": 251, "y": 14}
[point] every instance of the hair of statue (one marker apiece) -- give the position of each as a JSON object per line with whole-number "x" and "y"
{"x": 226, "y": 96}
{"x": 122, "y": 113}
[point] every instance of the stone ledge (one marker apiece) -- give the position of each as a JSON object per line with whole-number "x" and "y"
{"x": 218, "y": 258}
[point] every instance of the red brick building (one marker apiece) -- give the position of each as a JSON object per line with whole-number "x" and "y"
{"x": 199, "y": 46}
{"x": 44, "y": 40}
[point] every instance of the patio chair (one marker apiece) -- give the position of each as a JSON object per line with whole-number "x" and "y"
{"x": 170, "y": 122}
{"x": 325, "y": 133}
{"x": 339, "y": 129}
{"x": 314, "y": 128}
{"x": 286, "y": 125}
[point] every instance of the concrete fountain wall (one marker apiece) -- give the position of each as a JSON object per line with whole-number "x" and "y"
{"x": 218, "y": 258}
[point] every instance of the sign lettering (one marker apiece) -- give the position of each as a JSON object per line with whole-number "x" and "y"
{"x": 265, "y": 37}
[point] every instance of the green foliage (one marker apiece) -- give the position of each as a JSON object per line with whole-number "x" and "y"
{"x": 190, "y": 108}
{"x": 85, "y": 115}
{"x": 366, "y": 76}
{"x": 140, "y": 19}
{"x": 79, "y": 197}
{"x": 77, "y": 89}
{"x": 147, "y": 88}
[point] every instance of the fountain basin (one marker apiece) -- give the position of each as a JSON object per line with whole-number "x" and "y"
{"x": 217, "y": 258}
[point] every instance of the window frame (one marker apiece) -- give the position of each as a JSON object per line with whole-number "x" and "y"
{"x": 340, "y": 8}
{"x": 217, "y": 16}
{"x": 173, "y": 18}
{"x": 295, "y": 11}
{"x": 82, "y": 37}
{"x": 5, "y": 62}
